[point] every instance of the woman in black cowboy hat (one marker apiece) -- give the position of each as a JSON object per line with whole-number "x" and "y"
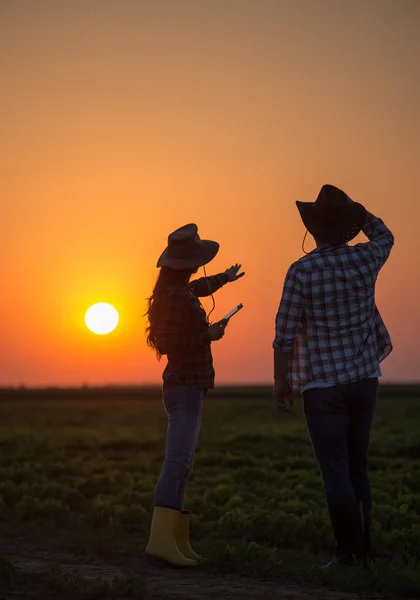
{"x": 178, "y": 327}
{"x": 330, "y": 340}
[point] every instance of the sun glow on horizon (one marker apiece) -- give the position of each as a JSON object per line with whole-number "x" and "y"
{"x": 101, "y": 318}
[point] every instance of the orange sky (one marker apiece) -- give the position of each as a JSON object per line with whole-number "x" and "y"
{"x": 123, "y": 119}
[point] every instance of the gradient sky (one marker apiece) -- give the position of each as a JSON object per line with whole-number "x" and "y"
{"x": 122, "y": 120}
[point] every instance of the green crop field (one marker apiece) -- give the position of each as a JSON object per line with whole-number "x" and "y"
{"x": 77, "y": 470}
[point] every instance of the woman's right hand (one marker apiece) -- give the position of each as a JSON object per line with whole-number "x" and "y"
{"x": 217, "y": 330}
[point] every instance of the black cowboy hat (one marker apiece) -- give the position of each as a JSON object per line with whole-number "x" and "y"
{"x": 333, "y": 218}
{"x": 186, "y": 250}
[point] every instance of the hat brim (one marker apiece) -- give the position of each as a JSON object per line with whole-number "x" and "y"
{"x": 329, "y": 229}
{"x": 208, "y": 250}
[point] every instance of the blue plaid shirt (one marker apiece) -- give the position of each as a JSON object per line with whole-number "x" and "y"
{"x": 327, "y": 316}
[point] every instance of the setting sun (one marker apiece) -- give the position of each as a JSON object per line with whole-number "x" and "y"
{"x": 101, "y": 318}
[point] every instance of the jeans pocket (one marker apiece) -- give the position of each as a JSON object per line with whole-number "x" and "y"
{"x": 175, "y": 396}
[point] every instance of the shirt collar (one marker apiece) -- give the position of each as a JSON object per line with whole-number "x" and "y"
{"x": 321, "y": 246}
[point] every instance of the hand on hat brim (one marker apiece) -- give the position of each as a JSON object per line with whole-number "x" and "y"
{"x": 329, "y": 228}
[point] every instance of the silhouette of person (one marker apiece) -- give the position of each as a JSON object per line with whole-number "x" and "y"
{"x": 329, "y": 342}
{"x": 178, "y": 328}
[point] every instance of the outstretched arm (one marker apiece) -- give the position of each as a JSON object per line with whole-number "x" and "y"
{"x": 205, "y": 286}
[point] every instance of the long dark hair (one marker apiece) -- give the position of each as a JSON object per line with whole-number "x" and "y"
{"x": 167, "y": 278}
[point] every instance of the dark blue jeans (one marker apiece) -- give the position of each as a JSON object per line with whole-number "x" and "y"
{"x": 339, "y": 421}
{"x": 184, "y": 405}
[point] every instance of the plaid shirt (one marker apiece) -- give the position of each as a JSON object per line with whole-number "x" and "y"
{"x": 183, "y": 334}
{"x": 327, "y": 316}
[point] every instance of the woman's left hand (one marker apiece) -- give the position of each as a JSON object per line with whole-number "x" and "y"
{"x": 233, "y": 272}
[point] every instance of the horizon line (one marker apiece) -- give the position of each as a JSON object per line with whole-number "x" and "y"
{"x": 22, "y": 387}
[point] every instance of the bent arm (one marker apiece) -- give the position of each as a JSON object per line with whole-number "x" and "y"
{"x": 381, "y": 240}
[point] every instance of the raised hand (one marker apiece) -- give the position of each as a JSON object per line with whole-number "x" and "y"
{"x": 233, "y": 272}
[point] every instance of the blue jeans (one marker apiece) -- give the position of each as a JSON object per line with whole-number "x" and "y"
{"x": 184, "y": 405}
{"x": 339, "y": 421}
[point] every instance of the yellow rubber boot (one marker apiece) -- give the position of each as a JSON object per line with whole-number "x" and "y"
{"x": 183, "y": 536}
{"x": 162, "y": 541}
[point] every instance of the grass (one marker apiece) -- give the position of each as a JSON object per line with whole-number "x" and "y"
{"x": 86, "y": 469}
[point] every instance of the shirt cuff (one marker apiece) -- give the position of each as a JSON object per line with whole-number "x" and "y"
{"x": 282, "y": 346}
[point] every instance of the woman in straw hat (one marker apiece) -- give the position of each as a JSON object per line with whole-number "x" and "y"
{"x": 330, "y": 340}
{"x": 178, "y": 328}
